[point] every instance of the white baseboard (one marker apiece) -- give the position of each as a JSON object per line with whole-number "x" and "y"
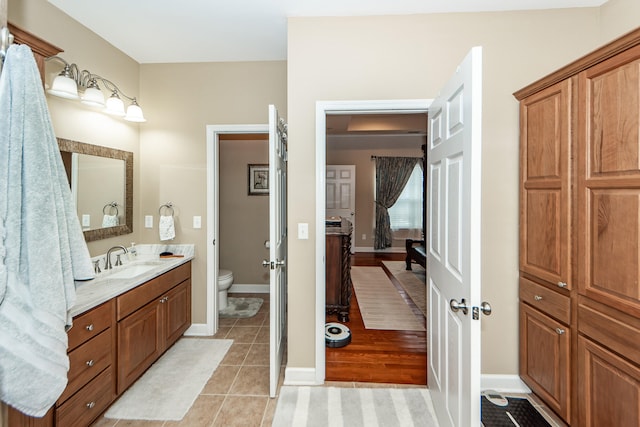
{"x": 197, "y": 330}
{"x": 249, "y": 289}
{"x": 300, "y": 376}
{"x": 503, "y": 383}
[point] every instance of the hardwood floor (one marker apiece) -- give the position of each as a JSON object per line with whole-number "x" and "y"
{"x": 398, "y": 357}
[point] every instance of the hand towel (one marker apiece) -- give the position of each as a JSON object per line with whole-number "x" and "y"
{"x": 167, "y": 228}
{"x": 109, "y": 220}
{"x": 43, "y": 248}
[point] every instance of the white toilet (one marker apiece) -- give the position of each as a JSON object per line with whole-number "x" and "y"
{"x": 225, "y": 280}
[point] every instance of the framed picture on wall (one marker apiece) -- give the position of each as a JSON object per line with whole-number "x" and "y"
{"x": 258, "y": 180}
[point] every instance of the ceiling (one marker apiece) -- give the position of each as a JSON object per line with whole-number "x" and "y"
{"x": 169, "y": 31}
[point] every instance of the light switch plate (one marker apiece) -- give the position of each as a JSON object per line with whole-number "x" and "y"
{"x": 197, "y": 221}
{"x": 148, "y": 221}
{"x": 86, "y": 220}
{"x": 303, "y": 231}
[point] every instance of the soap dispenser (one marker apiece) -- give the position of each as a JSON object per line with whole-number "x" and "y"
{"x": 133, "y": 252}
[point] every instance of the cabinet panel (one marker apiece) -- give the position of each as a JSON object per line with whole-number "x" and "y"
{"x": 609, "y": 387}
{"x": 178, "y": 312}
{"x": 86, "y": 405}
{"x": 545, "y": 208}
{"x": 546, "y": 300}
{"x": 90, "y": 324}
{"x": 139, "y": 343}
{"x": 87, "y": 361}
{"x": 544, "y": 358}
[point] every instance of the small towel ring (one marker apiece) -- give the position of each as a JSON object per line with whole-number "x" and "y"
{"x": 111, "y": 206}
{"x": 168, "y": 206}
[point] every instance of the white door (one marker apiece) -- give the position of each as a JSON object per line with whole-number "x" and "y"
{"x": 453, "y": 269}
{"x": 341, "y": 194}
{"x": 277, "y": 244}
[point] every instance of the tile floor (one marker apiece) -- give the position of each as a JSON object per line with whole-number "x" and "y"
{"x": 238, "y": 392}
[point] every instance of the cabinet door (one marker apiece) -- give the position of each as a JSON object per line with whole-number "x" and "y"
{"x": 140, "y": 343}
{"x": 609, "y": 387}
{"x": 545, "y": 210}
{"x": 544, "y": 358}
{"x": 609, "y": 182}
{"x": 177, "y": 308}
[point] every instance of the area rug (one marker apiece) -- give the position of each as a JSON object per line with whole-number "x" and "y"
{"x": 353, "y": 407}
{"x": 171, "y": 385}
{"x": 381, "y": 306}
{"x": 518, "y": 412}
{"x": 412, "y": 281}
{"x": 241, "y": 307}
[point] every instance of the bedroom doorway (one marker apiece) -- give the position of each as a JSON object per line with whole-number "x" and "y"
{"x": 332, "y": 124}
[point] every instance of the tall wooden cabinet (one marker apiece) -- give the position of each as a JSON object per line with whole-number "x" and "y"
{"x": 580, "y": 236}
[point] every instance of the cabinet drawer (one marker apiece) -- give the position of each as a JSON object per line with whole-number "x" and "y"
{"x": 87, "y": 361}
{"x": 90, "y": 324}
{"x": 546, "y": 300}
{"x": 616, "y": 330}
{"x": 143, "y": 294}
{"x": 88, "y": 403}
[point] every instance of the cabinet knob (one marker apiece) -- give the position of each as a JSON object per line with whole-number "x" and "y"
{"x": 90, "y": 405}
{"x": 562, "y": 284}
{"x": 90, "y": 362}
{"x": 164, "y": 299}
{"x": 537, "y": 298}
{"x": 559, "y": 331}
{"x": 89, "y": 327}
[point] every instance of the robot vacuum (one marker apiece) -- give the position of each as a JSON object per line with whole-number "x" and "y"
{"x": 336, "y": 335}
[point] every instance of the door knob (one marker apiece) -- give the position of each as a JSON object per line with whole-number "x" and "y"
{"x": 462, "y": 305}
{"x": 485, "y": 308}
{"x": 266, "y": 264}
{"x": 279, "y": 263}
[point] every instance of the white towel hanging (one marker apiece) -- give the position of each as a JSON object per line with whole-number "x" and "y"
{"x": 167, "y": 227}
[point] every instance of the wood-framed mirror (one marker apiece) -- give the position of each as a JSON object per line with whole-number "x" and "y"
{"x": 101, "y": 181}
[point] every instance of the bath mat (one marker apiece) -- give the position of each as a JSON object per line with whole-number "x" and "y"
{"x": 412, "y": 281}
{"x": 518, "y": 412}
{"x": 171, "y": 385}
{"x": 241, "y": 307}
{"x": 354, "y": 407}
{"x": 381, "y": 306}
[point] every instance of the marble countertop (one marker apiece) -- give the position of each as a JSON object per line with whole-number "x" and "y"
{"x": 91, "y": 293}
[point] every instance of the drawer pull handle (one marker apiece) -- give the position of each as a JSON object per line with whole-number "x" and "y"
{"x": 163, "y": 300}
{"x": 90, "y": 405}
{"x": 89, "y": 327}
{"x": 562, "y": 284}
{"x": 560, "y": 331}
{"x": 537, "y": 298}
{"x": 90, "y": 362}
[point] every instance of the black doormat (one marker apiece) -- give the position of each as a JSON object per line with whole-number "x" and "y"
{"x": 519, "y": 410}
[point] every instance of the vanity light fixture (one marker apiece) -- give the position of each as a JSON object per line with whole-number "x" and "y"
{"x": 72, "y": 83}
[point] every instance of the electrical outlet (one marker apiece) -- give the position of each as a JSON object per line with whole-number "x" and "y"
{"x": 86, "y": 220}
{"x": 197, "y": 221}
{"x": 303, "y": 231}
{"x": 148, "y": 221}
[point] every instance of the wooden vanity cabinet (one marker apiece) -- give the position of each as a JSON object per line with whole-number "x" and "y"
{"x": 338, "y": 285}
{"x": 580, "y": 236}
{"x": 150, "y": 319}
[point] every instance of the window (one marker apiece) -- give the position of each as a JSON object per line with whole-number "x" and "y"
{"x": 406, "y": 213}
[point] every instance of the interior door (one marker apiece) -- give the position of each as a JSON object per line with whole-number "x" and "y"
{"x": 341, "y": 194}
{"x": 453, "y": 269}
{"x": 278, "y": 244}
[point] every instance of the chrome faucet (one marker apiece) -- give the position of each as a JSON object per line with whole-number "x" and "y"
{"x": 107, "y": 262}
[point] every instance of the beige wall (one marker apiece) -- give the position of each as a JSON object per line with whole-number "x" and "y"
{"x": 365, "y": 185}
{"x": 353, "y": 59}
{"x": 182, "y": 99}
{"x": 70, "y": 119}
{"x": 244, "y": 219}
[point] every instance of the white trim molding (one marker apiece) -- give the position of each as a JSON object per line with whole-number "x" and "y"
{"x": 300, "y": 376}
{"x": 503, "y": 383}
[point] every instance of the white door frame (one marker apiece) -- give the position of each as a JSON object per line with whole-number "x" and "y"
{"x": 322, "y": 109}
{"x": 213, "y": 217}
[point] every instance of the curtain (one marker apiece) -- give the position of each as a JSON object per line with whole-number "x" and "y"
{"x": 392, "y": 174}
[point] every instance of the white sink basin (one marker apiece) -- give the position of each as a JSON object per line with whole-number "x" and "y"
{"x": 133, "y": 270}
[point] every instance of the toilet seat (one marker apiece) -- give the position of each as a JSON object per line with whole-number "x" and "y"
{"x": 225, "y": 274}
